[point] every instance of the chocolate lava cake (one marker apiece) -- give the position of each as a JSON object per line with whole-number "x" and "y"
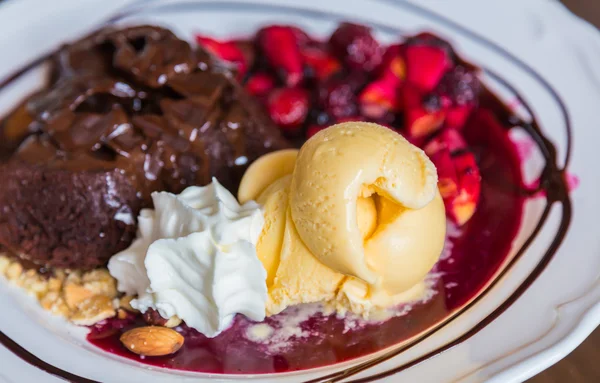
{"x": 126, "y": 112}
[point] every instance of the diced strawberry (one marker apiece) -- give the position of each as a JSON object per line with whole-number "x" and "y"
{"x": 418, "y": 121}
{"x": 456, "y": 116}
{"x": 288, "y": 108}
{"x": 459, "y": 180}
{"x": 320, "y": 62}
{"x": 453, "y": 140}
{"x": 447, "y": 139}
{"x": 389, "y": 54}
{"x": 464, "y": 205}
{"x": 393, "y": 64}
{"x": 281, "y": 47}
{"x": 380, "y": 97}
{"x": 447, "y": 177}
{"x": 354, "y": 44}
{"x": 225, "y": 50}
{"x": 425, "y": 65}
{"x": 396, "y": 69}
{"x": 260, "y": 84}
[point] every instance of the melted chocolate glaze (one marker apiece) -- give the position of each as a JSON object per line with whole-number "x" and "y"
{"x": 552, "y": 181}
{"x": 126, "y": 113}
{"x": 143, "y": 101}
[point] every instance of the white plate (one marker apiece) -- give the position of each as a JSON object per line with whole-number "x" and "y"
{"x": 543, "y": 51}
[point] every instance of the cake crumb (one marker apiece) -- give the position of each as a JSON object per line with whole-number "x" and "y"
{"x": 84, "y": 298}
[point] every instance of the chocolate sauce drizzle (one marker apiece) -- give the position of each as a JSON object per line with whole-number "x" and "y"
{"x": 552, "y": 182}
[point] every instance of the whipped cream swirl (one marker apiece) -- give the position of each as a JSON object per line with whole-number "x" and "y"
{"x": 195, "y": 257}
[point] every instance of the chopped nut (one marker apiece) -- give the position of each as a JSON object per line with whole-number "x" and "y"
{"x": 173, "y": 321}
{"x": 60, "y": 275}
{"x": 153, "y": 317}
{"x": 36, "y": 286}
{"x": 152, "y": 341}
{"x": 14, "y": 271}
{"x": 48, "y": 300}
{"x": 121, "y": 314}
{"x": 30, "y": 274}
{"x": 54, "y": 284}
{"x": 74, "y": 277}
{"x": 75, "y": 294}
{"x": 93, "y": 310}
{"x": 4, "y": 263}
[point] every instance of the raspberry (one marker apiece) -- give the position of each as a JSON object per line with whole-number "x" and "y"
{"x": 355, "y": 45}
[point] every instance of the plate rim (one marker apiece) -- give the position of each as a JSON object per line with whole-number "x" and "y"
{"x": 585, "y": 325}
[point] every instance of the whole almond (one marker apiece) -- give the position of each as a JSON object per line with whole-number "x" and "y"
{"x": 152, "y": 340}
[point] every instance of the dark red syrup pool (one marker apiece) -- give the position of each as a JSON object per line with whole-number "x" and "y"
{"x": 477, "y": 253}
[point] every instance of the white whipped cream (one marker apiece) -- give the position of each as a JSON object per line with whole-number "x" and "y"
{"x": 195, "y": 257}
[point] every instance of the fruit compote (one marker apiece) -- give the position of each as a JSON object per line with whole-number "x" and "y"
{"x": 424, "y": 91}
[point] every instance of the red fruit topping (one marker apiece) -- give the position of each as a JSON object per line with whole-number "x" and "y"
{"x": 428, "y": 39}
{"x": 281, "y": 47}
{"x": 396, "y": 69}
{"x": 337, "y": 97}
{"x": 355, "y": 45}
{"x": 288, "y": 108}
{"x": 320, "y": 62}
{"x": 393, "y": 64}
{"x": 260, "y": 84}
{"x": 457, "y": 116}
{"x": 225, "y": 50}
{"x": 302, "y": 38}
{"x": 379, "y": 98}
{"x": 447, "y": 139}
{"x": 459, "y": 180}
{"x": 464, "y": 204}
{"x": 390, "y": 53}
{"x": 425, "y": 65}
{"x": 460, "y": 85}
{"x": 447, "y": 177}
{"x": 419, "y": 122}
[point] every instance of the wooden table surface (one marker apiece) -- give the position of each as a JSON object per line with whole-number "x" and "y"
{"x": 583, "y": 364}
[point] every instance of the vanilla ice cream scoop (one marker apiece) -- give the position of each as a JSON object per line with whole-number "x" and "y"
{"x": 353, "y": 219}
{"x": 336, "y": 167}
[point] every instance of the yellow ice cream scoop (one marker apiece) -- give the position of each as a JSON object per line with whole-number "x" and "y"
{"x": 354, "y": 218}
{"x": 333, "y": 169}
{"x": 264, "y": 171}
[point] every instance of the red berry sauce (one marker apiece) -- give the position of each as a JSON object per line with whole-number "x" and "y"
{"x": 336, "y": 78}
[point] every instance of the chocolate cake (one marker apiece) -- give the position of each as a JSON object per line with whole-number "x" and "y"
{"x": 127, "y": 112}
